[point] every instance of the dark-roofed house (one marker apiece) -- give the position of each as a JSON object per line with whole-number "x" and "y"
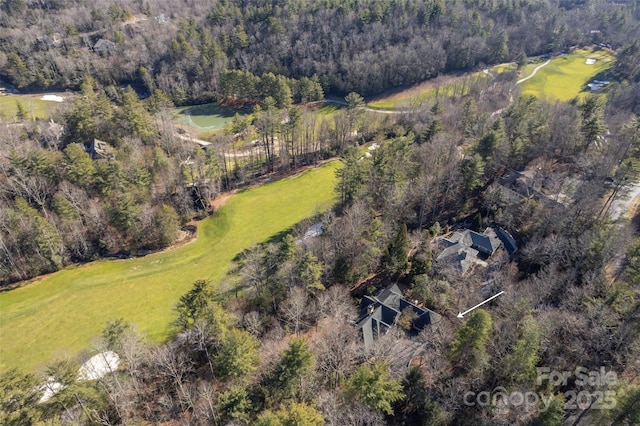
{"x": 531, "y": 184}
{"x": 466, "y": 248}
{"x": 381, "y": 312}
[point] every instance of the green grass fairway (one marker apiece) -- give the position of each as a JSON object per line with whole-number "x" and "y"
{"x": 566, "y": 77}
{"x": 207, "y": 116}
{"x": 59, "y": 315}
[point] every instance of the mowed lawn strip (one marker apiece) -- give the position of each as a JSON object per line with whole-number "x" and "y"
{"x": 565, "y": 77}
{"x": 59, "y": 315}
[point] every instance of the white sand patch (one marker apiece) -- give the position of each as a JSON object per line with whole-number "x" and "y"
{"x": 50, "y": 388}
{"x": 99, "y": 365}
{"x": 96, "y": 367}
{"x": 52, "y": 98}
{"x": 590, "y": 61}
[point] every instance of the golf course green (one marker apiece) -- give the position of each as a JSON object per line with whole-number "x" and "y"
{"x": 207, "y": 116}
{"x": 57, "y": 316}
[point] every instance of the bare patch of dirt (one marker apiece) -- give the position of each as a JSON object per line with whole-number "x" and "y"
{"x": 187, "y": 234}
{"x": 312, "y": 106}
{"x": 220, "y": 201}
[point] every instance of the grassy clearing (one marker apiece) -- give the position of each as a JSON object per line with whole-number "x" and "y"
{"x": 566, "y": 77}
{"x": 36, "y": 108}
{"x": 58, "y": 315}
{"x": 383, "y": 104}
{"x": 327, "y": 109}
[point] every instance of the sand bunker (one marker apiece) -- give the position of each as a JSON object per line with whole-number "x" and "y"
{"x": 52, "y": 98}
{"x": 50, "y": 388}
{"x": 99, "y": 365}
{"x": 590, "y": 61}
{"x": 95, "y": 368}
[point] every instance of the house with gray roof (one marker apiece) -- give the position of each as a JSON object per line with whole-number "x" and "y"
{"x": 379, "y": 313}
{"x": 466, "y": 248}
{"x": 104, "y": 47}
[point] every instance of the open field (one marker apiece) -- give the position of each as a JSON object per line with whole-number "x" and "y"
{"x": 566, "y": 77}
{"x": 33, "y": 104}
{"x": 58, "y": 315}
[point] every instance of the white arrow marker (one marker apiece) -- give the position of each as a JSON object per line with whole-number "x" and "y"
{"x": 462, "y": 314}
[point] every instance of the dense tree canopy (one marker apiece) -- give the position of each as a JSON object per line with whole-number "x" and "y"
{"x": 200, "y": 50}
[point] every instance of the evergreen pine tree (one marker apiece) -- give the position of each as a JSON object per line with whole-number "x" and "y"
{"x": 397, "y": 256}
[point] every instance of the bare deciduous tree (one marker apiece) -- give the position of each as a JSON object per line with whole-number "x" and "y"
{"x": 337, "y": 347}
{"x": 295, "y": 309}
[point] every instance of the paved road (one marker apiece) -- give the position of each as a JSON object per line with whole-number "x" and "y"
{"x": 242, "y": 153}
{"x": 194, "y": 140}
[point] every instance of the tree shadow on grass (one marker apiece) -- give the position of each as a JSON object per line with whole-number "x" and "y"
{"x": 296, "y": 230}
{"x": 209, "y": 109}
